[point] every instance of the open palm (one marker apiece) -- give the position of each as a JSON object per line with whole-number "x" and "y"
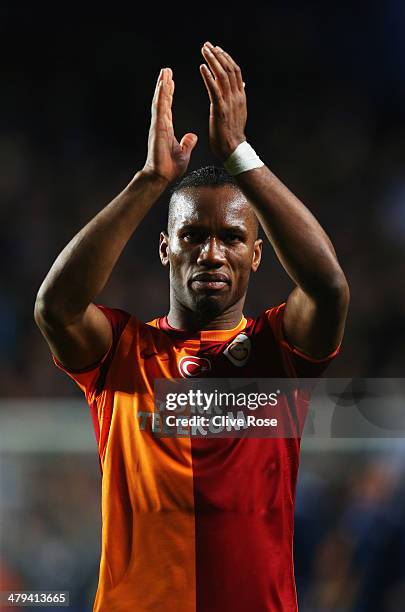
{"x": 167, "y": 158}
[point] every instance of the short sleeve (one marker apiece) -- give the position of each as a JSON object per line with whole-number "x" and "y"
{"x": 88, "y": 379}
{"x": 297, "y": 363}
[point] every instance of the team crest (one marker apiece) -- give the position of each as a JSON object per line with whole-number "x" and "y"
{"x": 238, "y": 351}
{"x": 190, "y": 366}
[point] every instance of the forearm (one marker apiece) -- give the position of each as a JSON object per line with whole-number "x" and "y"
{"x": 84, "y": 266}
{"x": 299, "y": 241}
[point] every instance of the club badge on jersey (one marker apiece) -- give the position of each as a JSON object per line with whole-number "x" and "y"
{"x": 238, "y": 351}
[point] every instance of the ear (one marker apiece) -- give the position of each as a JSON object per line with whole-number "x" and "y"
{"x": 164, "y": 248}
{"x": 257, "y": 254}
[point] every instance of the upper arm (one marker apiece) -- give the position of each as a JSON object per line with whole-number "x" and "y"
{"x": 81, "y": 343}
{"x": 316, "y": 325}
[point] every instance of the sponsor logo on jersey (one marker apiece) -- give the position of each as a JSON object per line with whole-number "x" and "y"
{"x": 190, "y": 366}
{"x": 238, "y": 351}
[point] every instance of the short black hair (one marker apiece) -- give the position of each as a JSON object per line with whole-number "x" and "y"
{"x": 214, "y": 176}
{"x": 211, "y": 176}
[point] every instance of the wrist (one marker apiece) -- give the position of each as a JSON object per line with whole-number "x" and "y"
{"x": 149, "y": 178}
{"x": 242, "y": 159}
{"x": 230, "y": 147}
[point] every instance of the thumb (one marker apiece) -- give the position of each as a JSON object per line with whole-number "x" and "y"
{"x": 188, "y": 142}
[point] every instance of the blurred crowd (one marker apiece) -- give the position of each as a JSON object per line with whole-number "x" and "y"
{"x": 349, "y": 533}
{"x": 74, "y": 131}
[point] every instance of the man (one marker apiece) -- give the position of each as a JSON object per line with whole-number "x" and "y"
{"x": 195, "y": 524}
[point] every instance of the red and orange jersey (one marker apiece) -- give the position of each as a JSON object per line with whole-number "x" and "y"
{"x": 192, "y": 524}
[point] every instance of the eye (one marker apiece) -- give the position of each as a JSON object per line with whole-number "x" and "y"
{"x": 233, "y": 237}
{"x": 191, "y": 236}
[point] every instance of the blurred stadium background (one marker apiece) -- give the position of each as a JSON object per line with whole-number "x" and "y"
{"x": 326, "y": 95}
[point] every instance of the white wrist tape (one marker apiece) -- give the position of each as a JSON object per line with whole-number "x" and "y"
{"x": 242, "y": 159}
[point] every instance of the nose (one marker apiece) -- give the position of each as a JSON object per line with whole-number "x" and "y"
{"x": 211, "y": 253}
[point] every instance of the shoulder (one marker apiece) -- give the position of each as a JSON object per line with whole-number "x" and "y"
{"x": 269, "y": 325}
{"x": 88, "y": 378}
{"x": 117, "y": 317}
{"x": 121, "y": 320}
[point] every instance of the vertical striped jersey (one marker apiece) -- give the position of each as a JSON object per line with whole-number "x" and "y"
{"x": 192, "y": 524}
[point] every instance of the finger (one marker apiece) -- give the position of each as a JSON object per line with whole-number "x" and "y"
{"x": 220, "y": 75}
{"x": 161, "y": 88}
{"x": 157, "y": 86}
{"x": 227, "y": 65}
{"x": 214, "y": 92}
{"x": 167, "y": 99}
{"x": 156, "y": 101}
{"x": 188, "y": 143}
{"x": 159, "y": 79}
{"x": 170, "y": 100}
{"x": 167, "y": 88}
{"x": 236, "y": 69}
{"x": 161, "y": 107}
{"x": 170, "y": 86}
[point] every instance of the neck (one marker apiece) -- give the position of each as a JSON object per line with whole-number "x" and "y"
{"x": 181, "y": 317}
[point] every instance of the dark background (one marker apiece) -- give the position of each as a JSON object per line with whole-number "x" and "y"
{"x": 326, "y": 100}
{"x": 326, "y": 92}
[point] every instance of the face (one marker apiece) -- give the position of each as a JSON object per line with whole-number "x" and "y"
{"x": 211, "y": 248}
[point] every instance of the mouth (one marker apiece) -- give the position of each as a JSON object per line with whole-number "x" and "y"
{"x": 209, "y": 282}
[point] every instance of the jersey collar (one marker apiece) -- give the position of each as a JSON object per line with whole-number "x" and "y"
{"x": 203, "y": 335}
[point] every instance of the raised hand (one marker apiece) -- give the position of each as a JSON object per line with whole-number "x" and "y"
{"x": 167, "y": 158}
{"x": 226, "y": 90}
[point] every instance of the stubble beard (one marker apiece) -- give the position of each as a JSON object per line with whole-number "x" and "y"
{"x": 207, "y": 308}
